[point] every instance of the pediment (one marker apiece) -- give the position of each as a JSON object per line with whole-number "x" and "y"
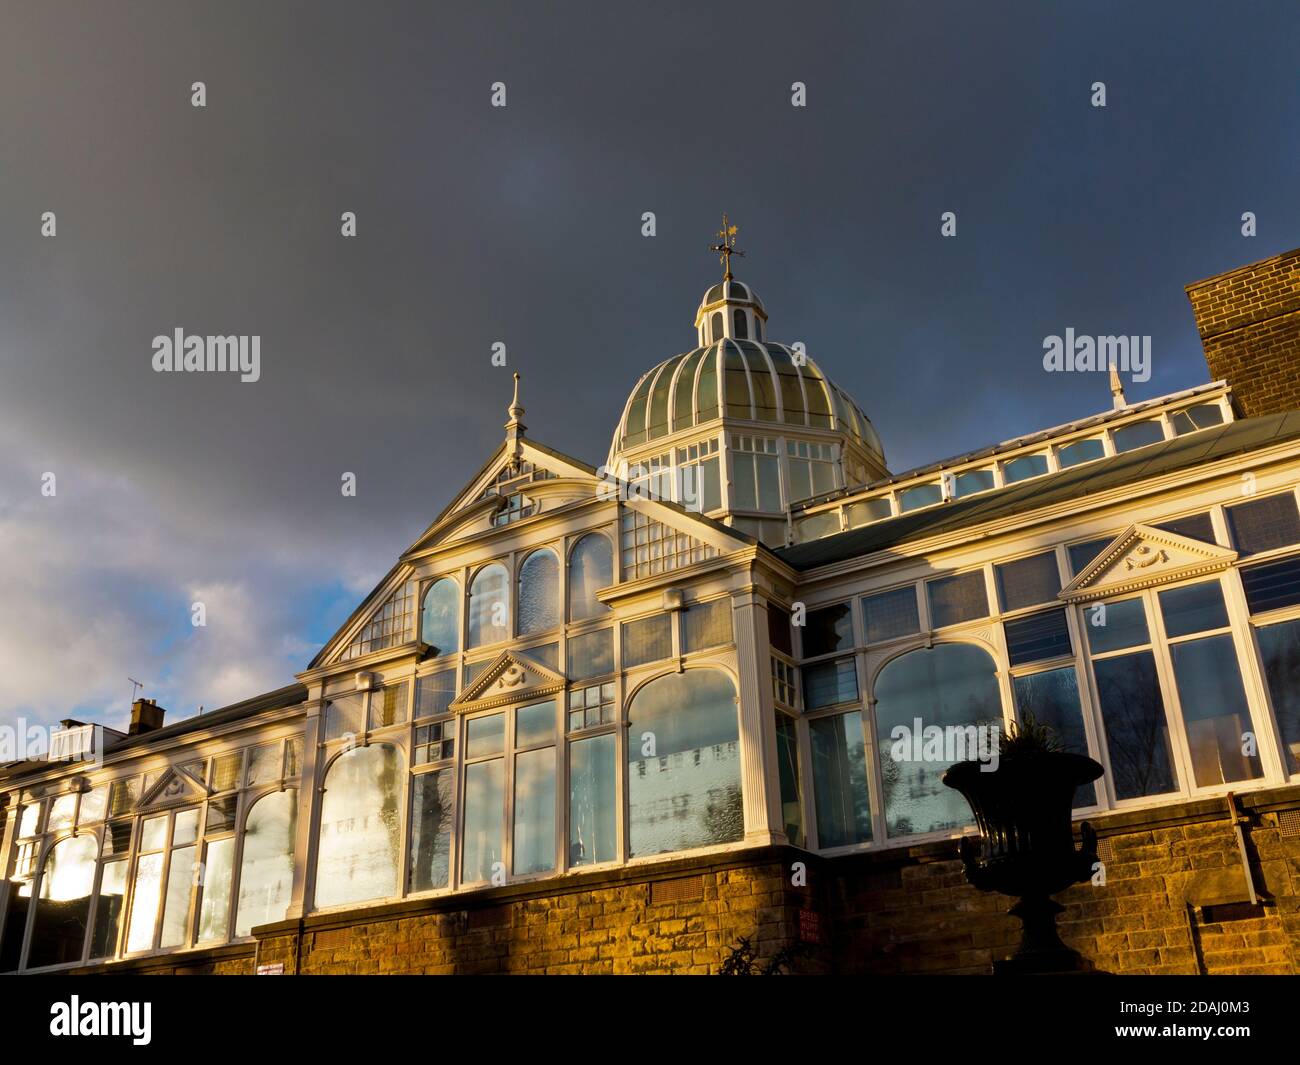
{"x": 1143, "y": 557}
{"x": 512, "y": 677}
{"x": 174, "y": 786}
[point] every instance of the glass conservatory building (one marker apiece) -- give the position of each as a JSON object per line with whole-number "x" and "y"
{"x": 611, "y": 720}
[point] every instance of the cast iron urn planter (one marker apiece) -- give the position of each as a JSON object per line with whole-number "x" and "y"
{"x": 1025, "y": 846}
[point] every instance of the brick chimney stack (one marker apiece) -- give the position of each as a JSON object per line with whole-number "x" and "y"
{"x": 146, "y": 716}
{"x": 1249, "y": 321}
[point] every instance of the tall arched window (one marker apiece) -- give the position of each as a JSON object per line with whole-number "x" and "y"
{"x": 539, "y": 592}
{"x": 740, "y": 330}
{"x": 63, "y": 902}
{"x": 266, "y": 874}
{"x": 440, "y": 618}
{"x": 591, "y": 567}
{"x": 684, "y": 764}
{"x": 360, "y": 837}
{"x": 952, "y": 686}
{"x": 715, "y": 327}
{"x": 489, "y": 606}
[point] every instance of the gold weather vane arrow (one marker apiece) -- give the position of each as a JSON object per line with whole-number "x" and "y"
{"x": 726, "y": 246}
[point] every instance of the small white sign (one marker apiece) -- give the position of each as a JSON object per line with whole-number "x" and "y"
{"x": 275, "y": 968}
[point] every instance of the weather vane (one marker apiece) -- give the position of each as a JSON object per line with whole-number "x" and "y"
{"x": 726, "y": 246}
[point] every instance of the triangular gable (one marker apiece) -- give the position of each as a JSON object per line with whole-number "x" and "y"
{"x": 1142, "y": 557}
{"x": 512, "y": 677}
{"x": 386, "y": 617}
{"x": 174, "y": 786}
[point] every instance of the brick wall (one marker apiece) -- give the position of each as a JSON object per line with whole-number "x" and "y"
{"x": 1249, "y": 322}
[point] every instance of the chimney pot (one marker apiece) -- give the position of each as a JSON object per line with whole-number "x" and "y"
{"x": 146, "y": 716}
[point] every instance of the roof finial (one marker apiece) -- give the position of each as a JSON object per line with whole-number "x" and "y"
{"x": 515, "y": 409}
{"x": 1116, "y": 388}
{"x": 515, "y": 427}
{"x": 726, "y": 246}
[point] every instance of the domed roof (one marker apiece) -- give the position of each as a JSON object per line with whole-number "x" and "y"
{"x": 742, "y": 380}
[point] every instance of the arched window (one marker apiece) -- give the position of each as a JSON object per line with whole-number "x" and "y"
{"x": 266, "y": 874}
{"x": 539, "y": 592}
{"x": 489, "y": 606}
{"x": 63, "y": 902}
{"x": 591, "y": 567}
{"x": 740, "y": 331}
{"x": 952, "y": 686}
{"x": 440, "y": 618}
{"x": 684, "y": 764}
{"x": 360, "y": 837}
{"x": 715, "y": 327}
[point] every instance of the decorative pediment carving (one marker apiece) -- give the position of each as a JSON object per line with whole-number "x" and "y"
{"x": 176, "y": 785}
{"x": 1143, "y": 557}
{"x": 513, "y": 677}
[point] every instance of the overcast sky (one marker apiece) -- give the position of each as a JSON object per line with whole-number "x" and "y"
{"x": 523, "y": 225}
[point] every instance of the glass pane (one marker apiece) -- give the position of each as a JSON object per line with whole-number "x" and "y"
{"x": 434, "y": 693}
{"x": 1214, "y": 708}
{"x": 266, "y": 870}
{"x": 489, "y": 606}
{"x": 769, "y": 482}
{"x": 62, "y": 810}
{"x": 972, "y": 481}
{"x": 548, "y": 654}
{"x": 186, "y": 829}
{"x": 891, "y": 614}
{"x": 1197, "y": 526}
{"x": 144, "y": 902}
{"x": 828, "y": 683}
{"x": 1053, "y": 700}
{"x": 867, "y": 511}
{"x": 535, "y": 724}
{"x": 1082, "y": 555}
{"x": 29, "y": 822}
{"x": 684, "y": 764}
{"x": 93, "y": 805}
{"x": 1273, "y": 586}
{"x": 1022, "y": 468}
{"x": 1137, "y": 734}
{"x": 706, "y": 625}
{"x": 591, "y": 567}
{"x": 1191, "y": 419}
{"x": 13, "y": 927}
{"x": 1279, "y": 651}
{"x": 1081, "y": 451}
{"x": 153, "y": 834}
{"x": 264, "y": 764}
{"x": 1028, "y": 581}
{"x": 359, "y": 827}
{"x": 431, "y": 829}
{"x": 923, "y": 495}
{"x": 218, "y": 871}
{"x": 647, "y": 640}
{"x": 63, "y": 905}
{"x": 539, "y": 593}
{"x": 440, "y": 620}
{"x": 840, "y": 780}
{"x": 1194, "y": 608}
{"x": 743, "y": 489}
{"x": 591, "y": 654}
{"x": 485, "y": 735}
{"x": 779, "y": 629}
{"x": 951, "y": 685}
{"x": 221, "y": 813}
{"x": 225, "y": 769}
{"x": 176, "y": 907}
{"x": 108, "y": 910}
{"x": 534, "y": 838}
{"x": 592, "y": 804}
{"x": 829, "y": 629}
{"x": 1264, "y": 524}
{"x": 123, "y": 796}
{"x": 787, "y": 759}
{"x": 117, "y": 837}
{"x": 388, "y": 705}
{"x": 1112, "y": 626}
{"x": 1039, "y": 636}
{"x": 485, "y": 815}
{"x": 1138, "y": 435}
{"x": 961, "y": 597}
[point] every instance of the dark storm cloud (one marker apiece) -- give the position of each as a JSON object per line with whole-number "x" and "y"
{"x": 523, "y": 225}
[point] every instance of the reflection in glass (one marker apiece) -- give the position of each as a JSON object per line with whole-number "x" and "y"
{"x": 144, "y": 902}
{"x": 1279, "y": 650}
{"x": 489, "y": 606}
{"x": 266, "y": 870}
{"x": 93, "y": 805}
{"x": 1052, "y": 698}
{"x": 591, "y": 567}
{"x": 539, "y": 593}
{"x": 108, "y": 910}
{"x": 485, "y": 797}
{"x": 186, "y": 827}
{"x": 534, "y": 828}
{"x": 440, "y": 619}
{"x": 950, "y": 685}
{"x": 828, "y": 683}
{"x": 591, "y": 654}
{"x": 684, "y": 764}
{"x": 431, "y": 829}
{"x": 1137, "y": 734}
{"x": 591, "y": 801}
{"x": 218, "y": 870}
{"x": 534, "y": 724}
{"x": 62, "y": 809}
{"x": 359, "y": 830}
{"x": 153, "y": 834}
{"x": 1213, "y": 704}
{"x": 1193, "y": 608}
{"x": 63, "y": 904}
{"x": 176, "y": 907}
{"x": 840, "y": 789}
{"x": 787, "y": 758}
{"x": 1112, "y": 626}
{"x": 485, "y": 735}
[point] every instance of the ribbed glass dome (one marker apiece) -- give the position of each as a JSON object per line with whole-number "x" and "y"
{"x": 743, "y": 380}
